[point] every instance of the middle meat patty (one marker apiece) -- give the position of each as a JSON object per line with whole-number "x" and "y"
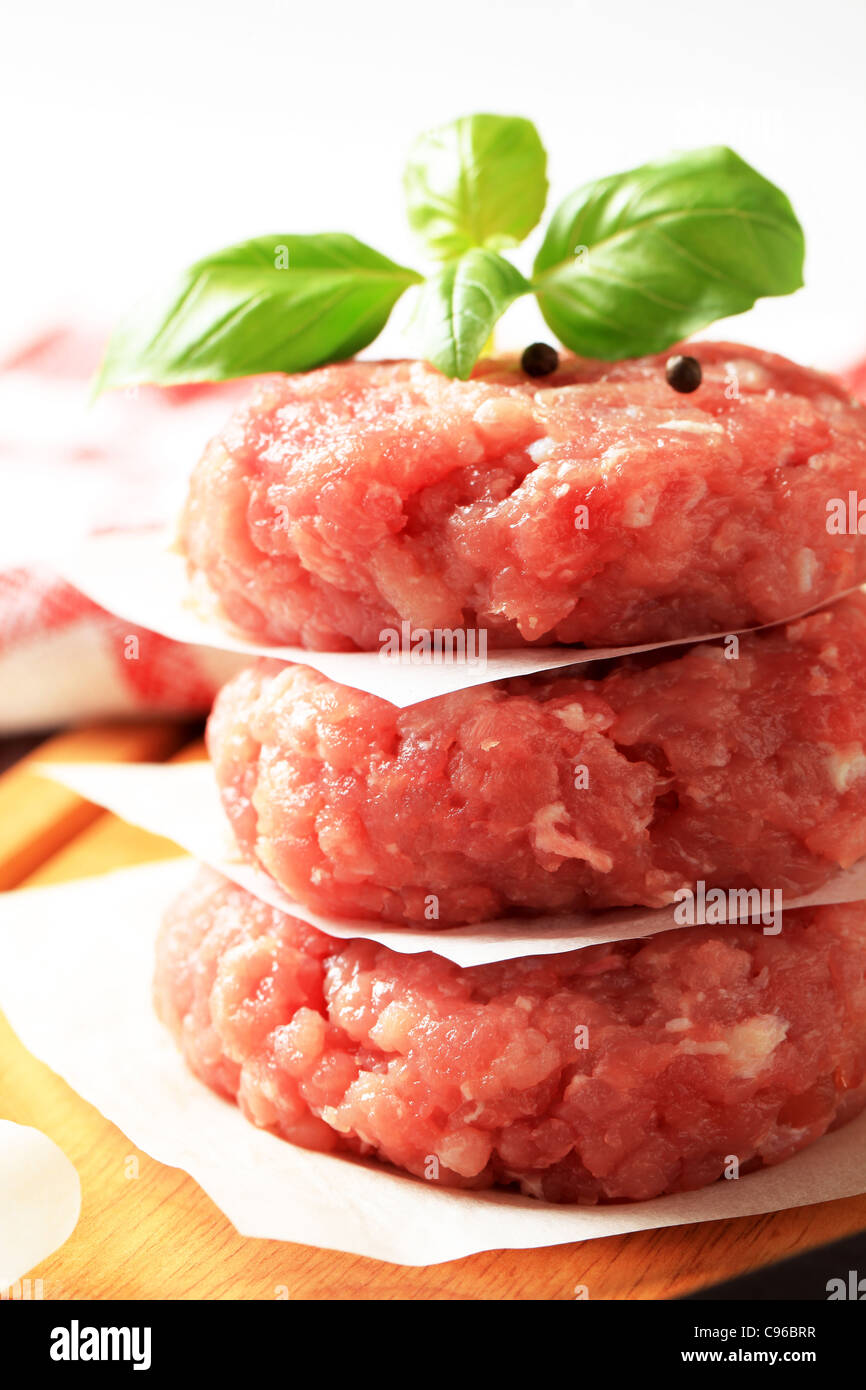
{"x": 736, "y": 764}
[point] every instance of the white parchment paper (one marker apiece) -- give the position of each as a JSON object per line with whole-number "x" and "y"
{"x": 137, "y": 576}
{"x": 181, "y": 802}
{"x": 40, "y": 1200}
{"x": 89, "y": 945}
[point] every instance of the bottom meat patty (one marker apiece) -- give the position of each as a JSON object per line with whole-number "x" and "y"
{"x": 617, "y": 1072}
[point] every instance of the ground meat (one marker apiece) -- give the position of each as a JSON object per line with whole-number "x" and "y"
{"x": 340, "y": 502}
{"x": 618, "y": 1072}
{"x": 557, "y": 792}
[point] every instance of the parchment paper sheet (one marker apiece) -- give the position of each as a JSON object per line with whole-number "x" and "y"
{"x": 180, "y": 801}
{"x": 75, "y": 972}
{"x": 137, "y": 576}
{"x": 40, "y": 1200}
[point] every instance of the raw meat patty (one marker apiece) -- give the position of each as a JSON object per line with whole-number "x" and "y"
{"x": 342, "y": 501}
{"x": 557, "y": 792}
{"x": 615, "y": 1072}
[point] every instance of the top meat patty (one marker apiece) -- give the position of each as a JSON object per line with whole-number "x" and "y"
{"x": 595, "y": 506}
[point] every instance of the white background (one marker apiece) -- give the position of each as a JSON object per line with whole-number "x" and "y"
{"x": 137, "y": 137}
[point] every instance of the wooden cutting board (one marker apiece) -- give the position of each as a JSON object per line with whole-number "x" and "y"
{"x": 158, "y": 1236}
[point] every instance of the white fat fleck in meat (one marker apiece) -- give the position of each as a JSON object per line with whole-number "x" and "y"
{"x": 640, "y": 510}
{"x": 678, "y": 1025}
{"x": 331, "y": 1116}
{"x": 540, "y": 450}
{"x": 693, "y": 426}
{"x": 575, "y": 717}
{"x": 747, "y": 373}
{"x": 830, "y": 655}
{"x": 846, "y": 765}
{"x": 807, "y": 568}
{"x": 752, "y": 1044}
{"x": 550, "y": 840}
{"x": 612, "y": 456}
{"x": 500, "y": 416}
{"x": 703, "y": 1049}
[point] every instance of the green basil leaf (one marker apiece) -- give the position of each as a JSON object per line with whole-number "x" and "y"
{"x": 478, "y": 181}
{"x": 636, "y": 262}
{"x": 458, "y": 308}
{"x": 274, "y": 304}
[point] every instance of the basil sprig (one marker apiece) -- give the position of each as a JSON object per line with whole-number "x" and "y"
{"x": 635, "y": 262}
{"x": 459, "y": 307}
{"x": 275, "y": 304}
{"x": 629, "y": 264}
{"x": 479, "y": 182}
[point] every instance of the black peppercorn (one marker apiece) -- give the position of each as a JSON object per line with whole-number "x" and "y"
{"x": 683, "y": 373}
{"x": 539, "y": 359}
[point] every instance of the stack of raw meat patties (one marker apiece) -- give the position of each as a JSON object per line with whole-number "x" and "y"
{"x": 599, "y": 508}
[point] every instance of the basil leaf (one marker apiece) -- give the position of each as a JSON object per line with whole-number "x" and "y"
{"x": 274, "y": 304}
{"x": 458, "y": 308}
{"x": 636, "y": 262}
{"x": 478, "y": 181}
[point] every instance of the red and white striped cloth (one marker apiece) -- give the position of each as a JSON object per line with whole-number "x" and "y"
{"x": 69, "y": 468}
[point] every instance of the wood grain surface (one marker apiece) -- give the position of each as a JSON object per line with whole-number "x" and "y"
{"x": 148, "y": 1231}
